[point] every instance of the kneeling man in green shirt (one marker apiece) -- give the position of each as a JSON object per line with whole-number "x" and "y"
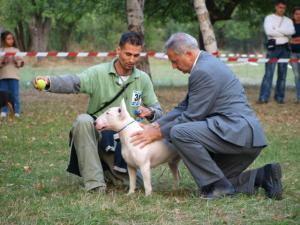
{"x": 106, "y": 84}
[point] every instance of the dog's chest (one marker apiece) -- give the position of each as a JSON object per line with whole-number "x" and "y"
{"x": 133, "y": 155}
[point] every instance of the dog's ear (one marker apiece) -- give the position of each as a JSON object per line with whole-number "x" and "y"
{"x": 123, "y": 105}
{"x": 123, "y": 110}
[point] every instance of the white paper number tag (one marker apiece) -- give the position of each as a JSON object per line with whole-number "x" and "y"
{"x": 136, "y": 98}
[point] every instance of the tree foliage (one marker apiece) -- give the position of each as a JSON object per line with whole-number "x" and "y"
{"x": 63, "y": 15}
{"x": 97, "y": 24}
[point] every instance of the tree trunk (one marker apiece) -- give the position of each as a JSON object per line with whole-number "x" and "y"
{"x": 135, "y": 19}
{"x": 65, "y": 34}
{"x": 206, "y": 28}
{"x": 39, "y": 28}
{"x": 21, "y": 39}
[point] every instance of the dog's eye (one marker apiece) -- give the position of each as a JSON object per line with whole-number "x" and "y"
{"x": 119, "y": 110}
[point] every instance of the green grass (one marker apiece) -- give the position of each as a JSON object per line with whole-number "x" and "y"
{"x": 49, "y": 195}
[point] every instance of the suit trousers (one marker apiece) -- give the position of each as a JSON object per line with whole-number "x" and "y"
{"x": 210, "y": 158}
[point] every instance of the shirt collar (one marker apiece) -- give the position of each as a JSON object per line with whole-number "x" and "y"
{"x": 196, "y": 60}
{"x": 112, "y": 70}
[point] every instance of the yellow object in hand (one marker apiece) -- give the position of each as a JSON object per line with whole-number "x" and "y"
{"x": 40, "y": 84}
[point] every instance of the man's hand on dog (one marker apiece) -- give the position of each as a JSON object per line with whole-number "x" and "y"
{"x": 150, "y": 133}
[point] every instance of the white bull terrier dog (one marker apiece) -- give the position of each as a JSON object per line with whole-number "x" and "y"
{"x": 150, "y": 156}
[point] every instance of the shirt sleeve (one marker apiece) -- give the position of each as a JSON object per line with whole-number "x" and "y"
{"x": 148, "y": 97}
{"x": 87, "y": 81}
{"x": 64, "y": 84}
{"x": 270, "y": 29}
{"x": 287, "y": 28}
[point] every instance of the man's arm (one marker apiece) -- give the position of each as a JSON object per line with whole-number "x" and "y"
{"x": 64, "y": 84}
{"x": 60, "y": 84}
{"x": 287, "y": 28}
{"x": 151, "y": 109}
{"x": 295, "y": 40}
{"x": 202, "y": 95}
{"x": 270, "y": 29}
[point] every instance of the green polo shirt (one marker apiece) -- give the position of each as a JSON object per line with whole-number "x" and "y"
{"x": 101, "y": 83}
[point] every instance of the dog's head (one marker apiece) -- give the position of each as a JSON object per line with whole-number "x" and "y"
{"x": 113, "y": 119}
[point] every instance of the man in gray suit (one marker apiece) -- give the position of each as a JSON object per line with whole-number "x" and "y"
{"x": 214, "y": 129}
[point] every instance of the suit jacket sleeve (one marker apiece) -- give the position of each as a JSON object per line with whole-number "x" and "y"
{"x": 202, "y": 93}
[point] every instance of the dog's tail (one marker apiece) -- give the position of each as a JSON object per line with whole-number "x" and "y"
{"x": 7, "y": 100}
{"x": 11, "y": 101}
{"x": 11, "y": 110}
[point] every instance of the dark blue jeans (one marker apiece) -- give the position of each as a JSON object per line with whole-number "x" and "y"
{"x": 266, "y": 86}
{"x": 12, "y": 86}
{"x": 107, "y": 139}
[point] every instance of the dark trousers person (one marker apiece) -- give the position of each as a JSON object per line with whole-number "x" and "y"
{"x": 195, "y": 143}
{"x": 280, "y": 51}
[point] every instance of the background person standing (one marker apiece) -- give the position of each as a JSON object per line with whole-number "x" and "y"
{"x": 9, "y": 71}
{"x": 295, "y": 50}
{"x": 278, "y": 28}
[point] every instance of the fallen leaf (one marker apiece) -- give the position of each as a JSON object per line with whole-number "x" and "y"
{"x": 39, "y": 186}
{"x": 27, "y": 169}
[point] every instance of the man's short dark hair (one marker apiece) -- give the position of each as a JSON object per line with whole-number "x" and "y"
{"x": 132, "y": 38}
{"x": 280, "y": 2}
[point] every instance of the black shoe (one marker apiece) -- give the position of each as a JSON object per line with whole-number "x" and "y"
{"x": 272, "y": 181}
{"x": 214, "y": 191}
{"x": 280, "y": 101}
{"x": 259, "y": 101}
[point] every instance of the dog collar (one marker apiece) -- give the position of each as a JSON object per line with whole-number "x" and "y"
{"x": 126, "y": 126}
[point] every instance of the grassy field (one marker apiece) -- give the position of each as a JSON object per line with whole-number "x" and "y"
{"x": 47, "y": 194}
{"x": 36, "y": 189}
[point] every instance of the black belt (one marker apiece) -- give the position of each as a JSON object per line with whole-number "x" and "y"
{"x": 282, "y": 45}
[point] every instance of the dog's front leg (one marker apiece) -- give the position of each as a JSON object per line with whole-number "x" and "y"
{"x": 145, "y": 169}
{"x": 132, "y": 179}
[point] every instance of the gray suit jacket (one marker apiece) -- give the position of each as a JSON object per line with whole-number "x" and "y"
{"x": 215, "y": 95}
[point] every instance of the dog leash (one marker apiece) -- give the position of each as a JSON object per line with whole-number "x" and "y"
{"x": 126, "y": 126}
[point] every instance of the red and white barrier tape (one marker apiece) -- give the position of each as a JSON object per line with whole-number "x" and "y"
{"x": 241, "y": 58}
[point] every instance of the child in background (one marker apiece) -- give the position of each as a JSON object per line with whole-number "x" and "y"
{"x": 9, "y": 71}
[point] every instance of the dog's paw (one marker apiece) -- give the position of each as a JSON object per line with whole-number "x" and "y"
{"x": 148, "y": 193}
{"x": 130, "y": 192}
